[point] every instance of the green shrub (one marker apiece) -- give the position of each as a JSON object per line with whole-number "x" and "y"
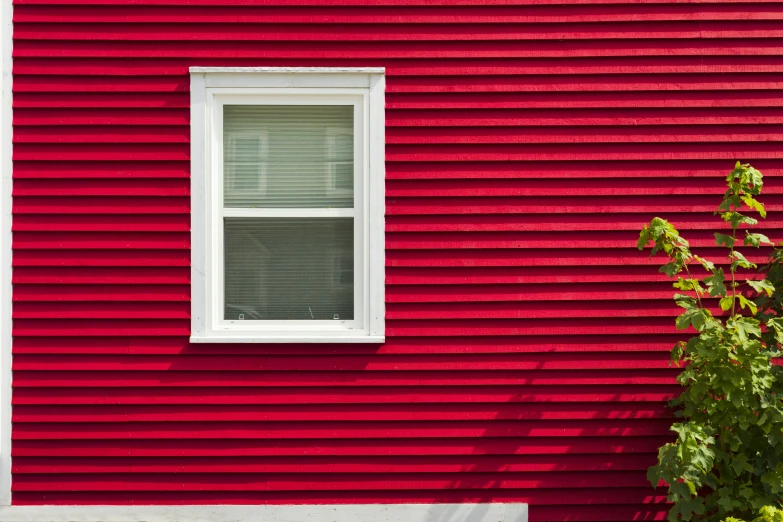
{"x": 727, "y": 459}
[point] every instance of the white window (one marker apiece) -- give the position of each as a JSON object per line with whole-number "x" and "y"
{"x": 287, "y": 169}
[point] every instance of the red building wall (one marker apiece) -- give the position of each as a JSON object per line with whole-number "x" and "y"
{"x": 527, "y": 339}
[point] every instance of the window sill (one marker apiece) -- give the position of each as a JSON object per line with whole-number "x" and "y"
{"x": 377, "y": 339}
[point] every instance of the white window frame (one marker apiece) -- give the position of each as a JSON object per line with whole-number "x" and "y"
{"x": 214, "y": 87}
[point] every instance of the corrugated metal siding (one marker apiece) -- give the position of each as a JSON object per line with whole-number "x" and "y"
{"x": 527, "y": 340}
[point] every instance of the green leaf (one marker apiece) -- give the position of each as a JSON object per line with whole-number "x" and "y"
{"x": 741, "y": 260}
{"x": 644, "y": 238}
{"x": 708, "y": 265}
{"x": 677, "y": 353}
{"x": 762, "y": 287}
{"x": 740, "y": 463}
{"x": 726, "y": 302}
{"x": 670, "y": 269}
{"x": 685, "y": 301}
{"x": 723, "y": 239}
{"x": 727, "y": 202}
{"x": 735, "y": 219}
{"x": 769, "y": 514}
{"x": 688, "y": 507}
{"x": 776, "y": 325}
{"x": 774, "y": 479}
{"x": 688, "y": 284}
{"x": 755, "y": 205}
{"x": 715, "y": 283}
{"x": 699, "y": 319}
{"x": 756, "y": 239}
{"x": 659, "y": 225}
{"x": 746, "y": 328}
{"x": 693, "y": 317}
{"x": 683, "y": 321}
{"x": 744, "y": 302}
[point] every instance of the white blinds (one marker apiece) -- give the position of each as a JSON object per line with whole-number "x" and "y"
{"x": 289, "y": 269}
{"x": 296, "y": 157}
{"x": 283, "y": 156}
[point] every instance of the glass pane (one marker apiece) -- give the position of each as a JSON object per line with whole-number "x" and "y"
{"x": 343, "y": 176}
{"x": 280, "y": 268}
{"x": 288, "y": 156}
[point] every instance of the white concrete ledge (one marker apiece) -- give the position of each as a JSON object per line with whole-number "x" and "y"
{"x": 299, "y": 513}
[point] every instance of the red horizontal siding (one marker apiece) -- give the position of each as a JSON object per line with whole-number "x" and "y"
{"x": 527, "y": 345}
{"x": 279, "y": 12}
{"x": 396, "y": 464}
{"x": 358, "y": 379}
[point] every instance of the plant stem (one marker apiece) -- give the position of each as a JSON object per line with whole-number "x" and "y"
{"x": 732, "y": 267}
{"x": 698, "y": 296}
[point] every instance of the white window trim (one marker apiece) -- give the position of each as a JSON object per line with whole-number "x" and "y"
{"x": 6, "y": 148}
{"x": 211, "y": 88}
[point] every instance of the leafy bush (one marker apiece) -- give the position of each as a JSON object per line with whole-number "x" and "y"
{"x": 727, "y": 459}
{"x": 766, "y": 514}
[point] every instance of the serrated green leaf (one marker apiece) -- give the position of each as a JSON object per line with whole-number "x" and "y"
{"x": 695, "y": 317}
{"x": 776, "y": 324}
{"x": 708, "y": 265}
{"x": 724, "y": 240}
{"x": 670, "y": 269}
{"x": 699, "y": 319}
{"x": 683, "y": 321}
{"x": 685, "y": 301}
{"x": 746, "y": 328}
{"x": 677, "y": 353}
{"x": 735, "y": 219}
{"x": 756, "y": 239}
{"x": 644, "y": 238}
{"x": 715, "y": 283}
{"x": 741, "y": 260}
{"x": 762, "y": 287}
{"x": 754, "y": 205}
{"x": 740, "y": 463}
{"x": 688, "y": 284}
{"x": 744, "y": 302}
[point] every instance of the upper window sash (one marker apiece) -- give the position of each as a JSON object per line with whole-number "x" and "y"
{"x": 358, "y": 99}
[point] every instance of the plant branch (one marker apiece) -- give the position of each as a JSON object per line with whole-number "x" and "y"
{"x": 733, "y": 269}
{"x": 698, "y": 294}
